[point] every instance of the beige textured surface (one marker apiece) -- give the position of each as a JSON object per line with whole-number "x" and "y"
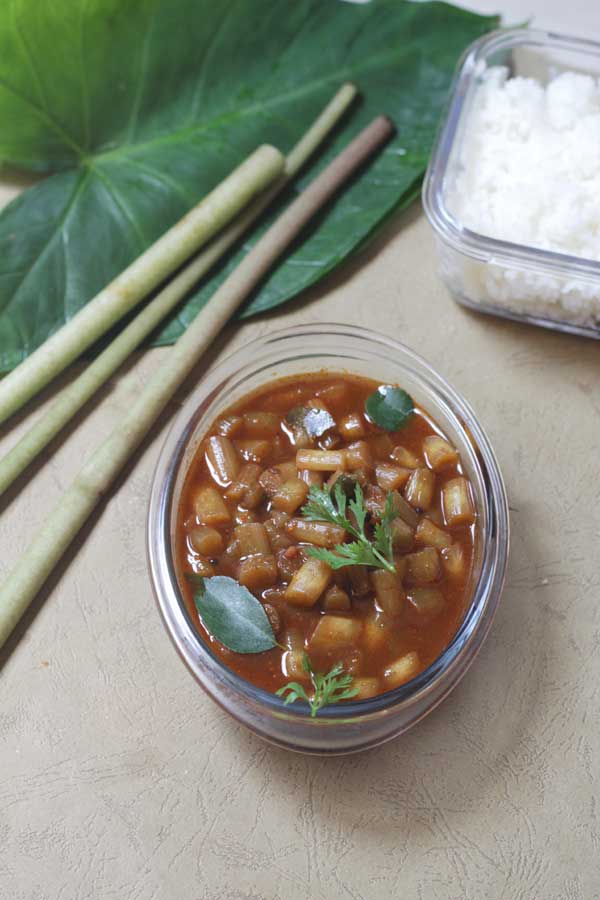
{"x": 120, "y": 779}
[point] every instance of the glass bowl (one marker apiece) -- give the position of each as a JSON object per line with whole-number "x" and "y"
{"x": 355, "y": 725}
{"x": 515, "y": 281}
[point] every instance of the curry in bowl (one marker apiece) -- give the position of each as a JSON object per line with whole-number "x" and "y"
{"x": 325, "y": 537}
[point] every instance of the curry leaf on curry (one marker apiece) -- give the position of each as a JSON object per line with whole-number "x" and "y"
{"x": 389, "y": 407}
{"x": 233, "y": 615}
{"x": 140, "y": 108}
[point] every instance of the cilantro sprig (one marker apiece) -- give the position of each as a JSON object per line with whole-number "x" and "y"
{"x": 333, "y": 506}
{"x": 336, "y": 685}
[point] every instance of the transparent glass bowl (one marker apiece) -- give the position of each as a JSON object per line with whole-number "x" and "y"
{"x": 515, "y": 281}
{"x": 357, "y": 725}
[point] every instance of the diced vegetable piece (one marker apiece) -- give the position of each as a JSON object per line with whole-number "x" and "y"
{"x": 254, "y": 450}
{"x": 336, "y": 599}
{"x": 244, "y": 516}
{"x": 424, "y": 566}
{"x": 404, "y": 510}
{"x": 294, "y": 639}
{"x": 261, "y": 424}
{"x": 274, "y": 594}
{"x": 285, "y": 400}
{"x": 375, "y": 635}
{"x": 246, "y": 489}
{"x": 403, "y": 535}
{"x": 334, "y": 631}
{"x": 351, "y": 660}
{"x": 276, "y": 527}
{"x": 359, "y": 456}
{"x": 311, "y": 478}
{"x": 231, "y": 426}
{"x": 222, "y": 459}
{"x": 374, "y": 500}
{"x": 381, "y": 445}
{"x": 419, "y": 489}
{"x": 390, "y": 477}
{"x": 210, "y": 508}
{"x": 308, "y": 583}
{"x": 322, "y": 534}
{"x": 401, "y": 566}
{"x": 290, "y": 496}
{"x": 334, "y": 393}
{"x": 358, "y": 579}
{"x": 455, "y": 564}
{"x": 456, "y": 502}
{"x": 404, "y": 457}
{"x": 330, "y": 441}
{"x": 289, "y": 560}
{"x": 271, "y": 480}
{"x": 292, "y": 665}
{"x": 352, "y": 427}
{"x": 365, "y": 687}
{"x": 202, "y": 566}
{"x": 206, "y": 540}
{"x": 427, "y": 601}
{"x": 431, "y": 536}
{"x": 258, "y": 572}
{"x": 402, "y": 670}
{"x": 274, "y": 618}
{"x": 438, "y": 452}
{"x": 287, "y": 470}
{"x": 252, "y": 538}
{"x": 388, "y": 591}
{"x": 321, "y": 460}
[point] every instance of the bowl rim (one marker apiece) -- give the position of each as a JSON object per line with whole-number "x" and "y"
{"x": 444, "y": 223}
{"x": 486, "y": 593}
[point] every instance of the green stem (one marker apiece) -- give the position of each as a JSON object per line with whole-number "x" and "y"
{"x": 97, "y": 373}
{"x": 99, "y": 472}
{"x": 141, "y": 277}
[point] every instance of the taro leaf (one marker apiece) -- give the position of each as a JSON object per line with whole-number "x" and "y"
{"x": 233, "y": 615}
{"x": 389, "y": 407}
{"x": 315, "y": 422}
{"x": 142, "y": 106}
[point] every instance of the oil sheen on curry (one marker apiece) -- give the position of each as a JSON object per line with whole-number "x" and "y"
{"x": 341, "y": 507}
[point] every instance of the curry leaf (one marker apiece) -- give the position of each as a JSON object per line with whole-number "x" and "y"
{"x": 142, "y": 106}
{"x": 233, "y": 615}
{"x": 389, "y": 407}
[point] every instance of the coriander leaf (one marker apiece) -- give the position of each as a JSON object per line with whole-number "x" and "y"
{"x": 327, "y": 689}
{"x": 383, "y": 529}
{"x": 294, "y": 692}
{"x": 233, "y": 615}
{"x": 356, "y": 553}
{"x": 322, "y": 506}
{"x": 145, "y": 106}
{"x": 389, "y": 407}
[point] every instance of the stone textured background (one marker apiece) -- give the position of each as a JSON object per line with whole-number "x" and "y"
{"x": 120, "y": 779}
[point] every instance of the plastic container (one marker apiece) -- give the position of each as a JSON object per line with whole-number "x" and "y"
{"x": 515, "y": 281}
{"x": 356, "y": 725}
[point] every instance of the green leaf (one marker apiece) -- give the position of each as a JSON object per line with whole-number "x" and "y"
{"x": 330, "y": 506}
{"x": 142, "y": 106}
{"x": 327, "y": 689}
{"x": 389, "y": 407}
{"x": 233, "y": 615}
